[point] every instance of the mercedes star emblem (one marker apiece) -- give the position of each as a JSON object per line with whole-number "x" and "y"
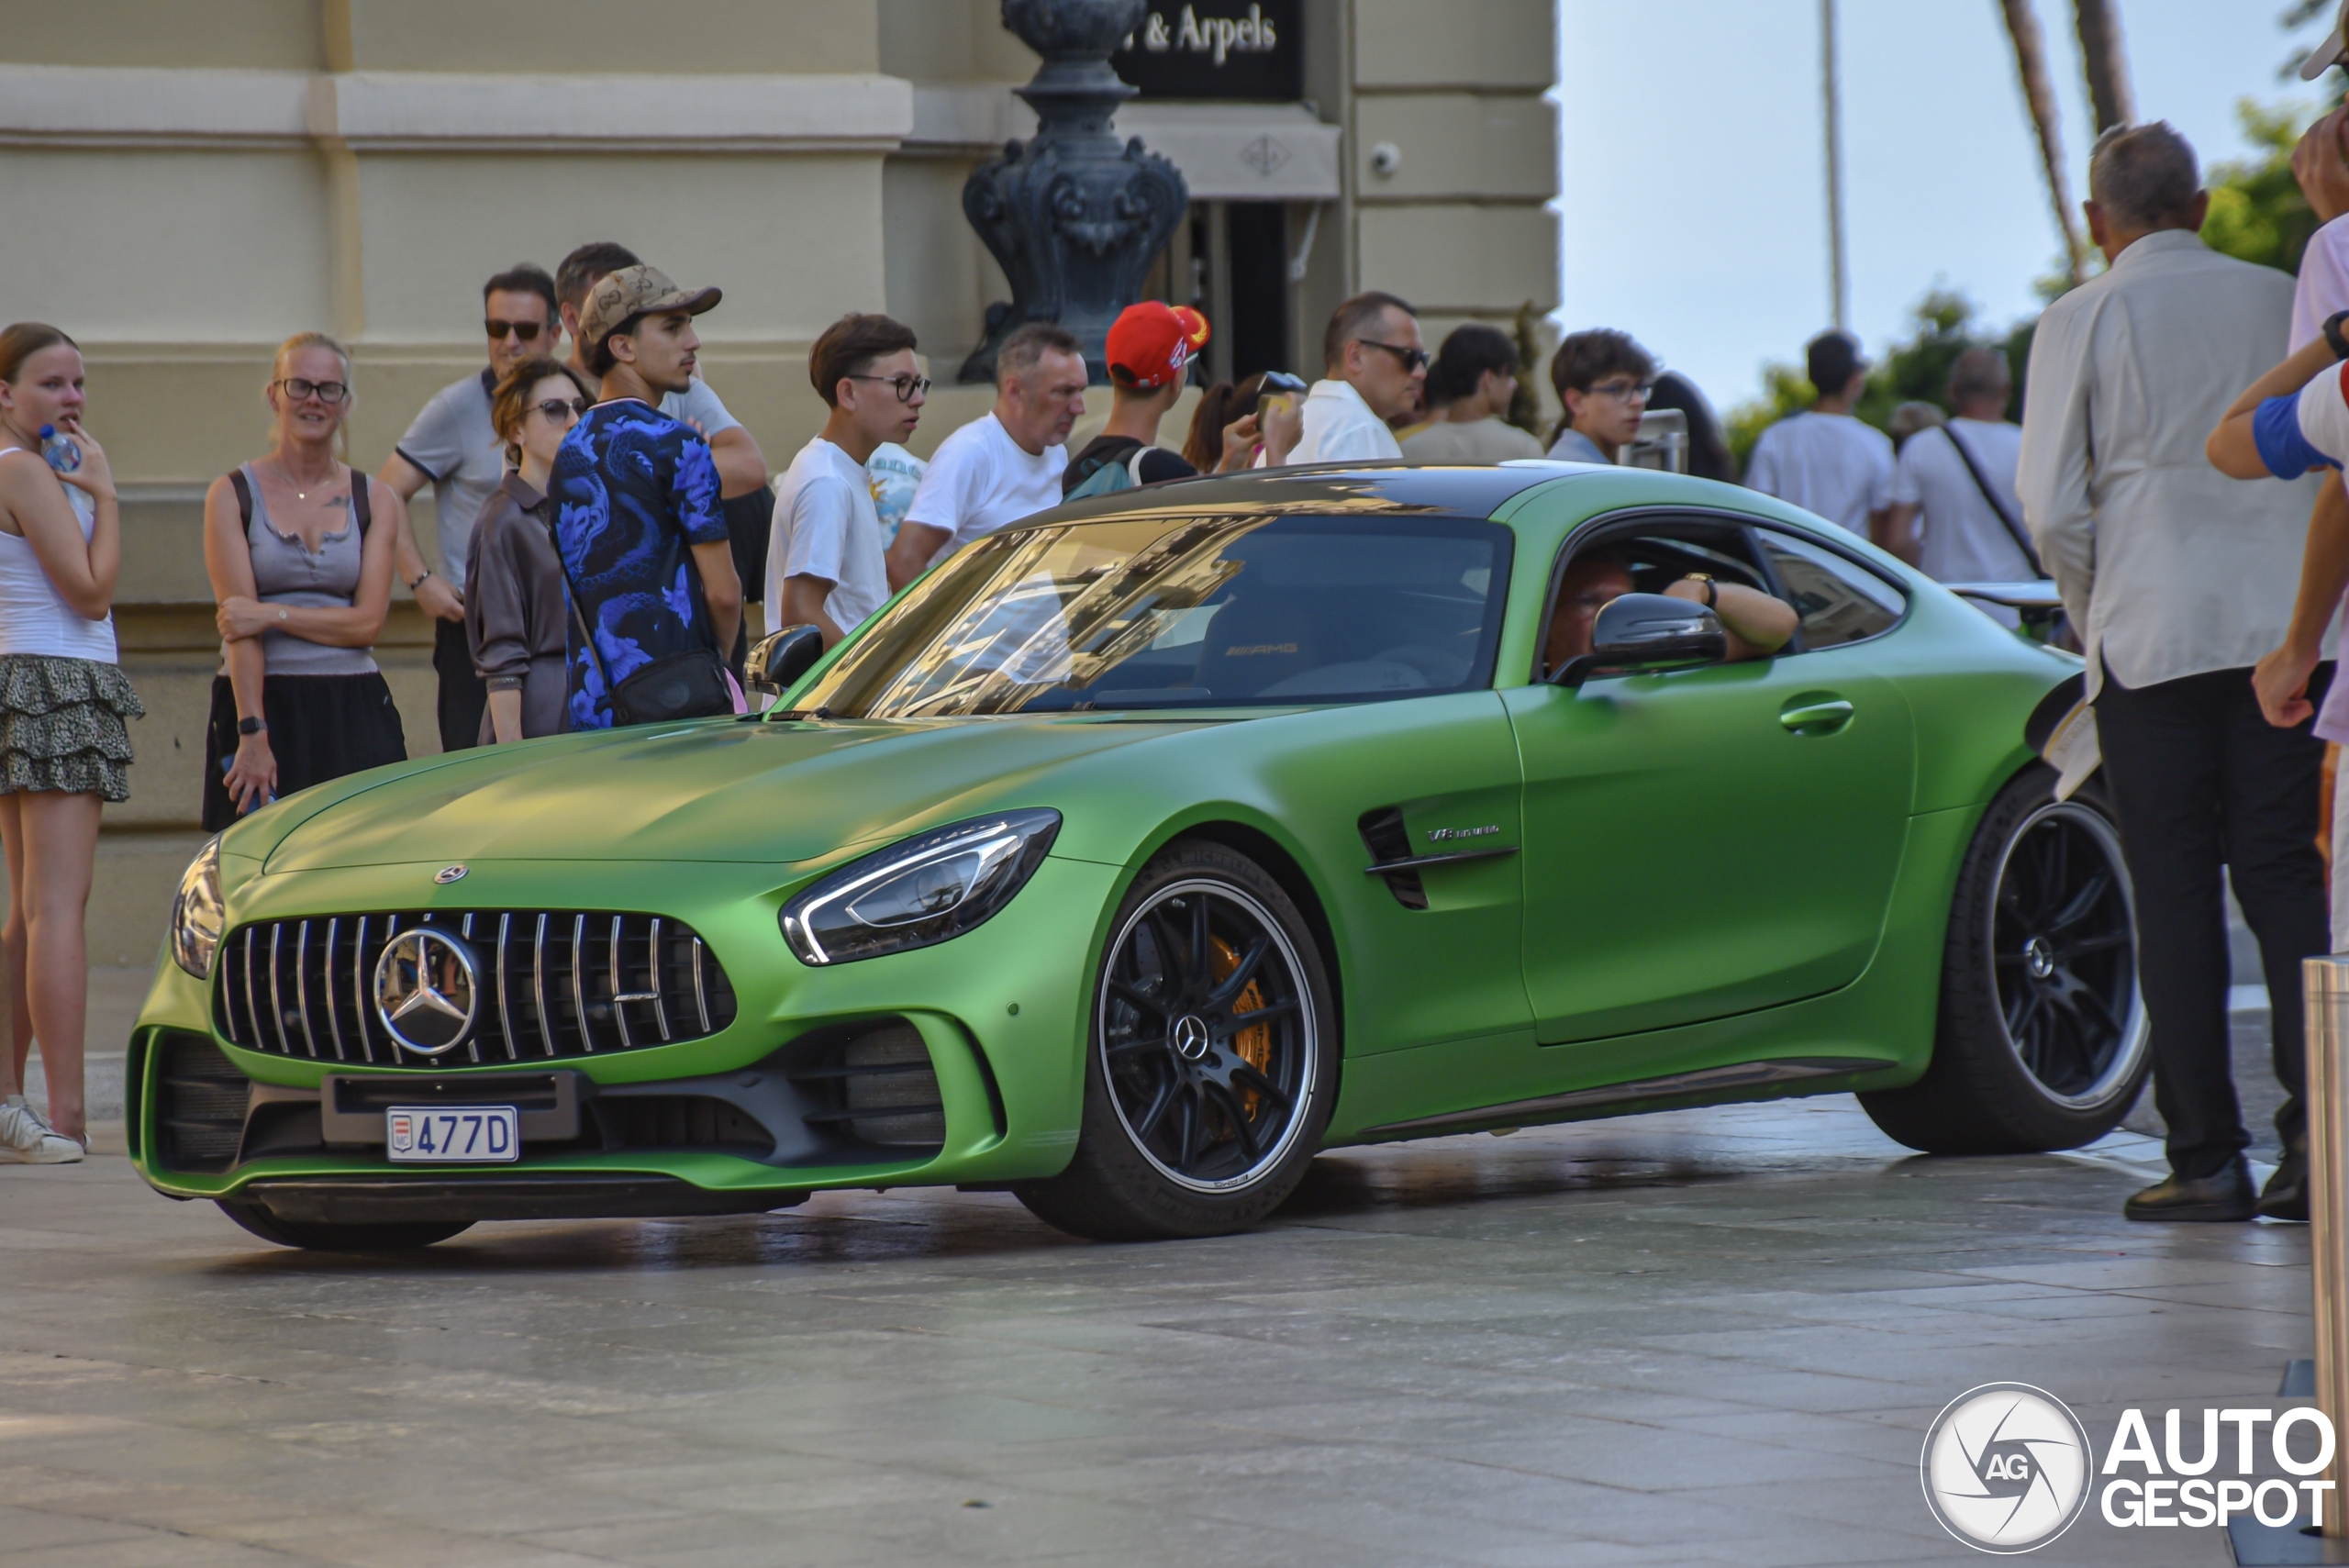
{"x": 427, "y": 990}
{"x": 448, "y": 875}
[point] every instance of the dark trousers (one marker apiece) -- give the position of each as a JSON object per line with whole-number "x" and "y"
{"x": 2201, "y": 780}
{"x": 464, "y": 696}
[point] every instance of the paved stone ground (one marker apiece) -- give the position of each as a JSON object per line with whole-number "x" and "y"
{"x": 1710, "y": 1337}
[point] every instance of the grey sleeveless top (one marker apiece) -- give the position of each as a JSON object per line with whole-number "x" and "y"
{"x": 285, "y": 573}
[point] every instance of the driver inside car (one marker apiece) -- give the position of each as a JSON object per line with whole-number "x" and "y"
{"x": 1757, "y": 624}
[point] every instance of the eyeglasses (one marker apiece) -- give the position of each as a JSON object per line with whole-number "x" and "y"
{"x": 297, "y": 389}
{"x": 554, "y": 409}
{"x": 524, "y": 331}
{"x": 905, "y": 386}
{"x": 1413, "y": 359}
{"x": 1626, "y": 390}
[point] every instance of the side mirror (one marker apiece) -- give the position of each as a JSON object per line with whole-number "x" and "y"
{"x": 1636, "y": 633}
{"x": 780, "y": 657}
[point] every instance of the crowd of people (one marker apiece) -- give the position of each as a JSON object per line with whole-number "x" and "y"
{"x": 603, "y": 519}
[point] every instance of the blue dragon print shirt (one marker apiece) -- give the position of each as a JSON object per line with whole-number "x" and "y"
{"x": 633, "y": 491}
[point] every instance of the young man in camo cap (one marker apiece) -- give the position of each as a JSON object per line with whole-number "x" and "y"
{"x": 637, "y": 520}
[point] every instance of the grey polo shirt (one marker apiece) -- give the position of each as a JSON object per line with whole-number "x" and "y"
{"x": 453, "y": 443}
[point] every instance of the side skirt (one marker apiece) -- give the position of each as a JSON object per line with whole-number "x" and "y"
{"x": 1701, "y": 1081}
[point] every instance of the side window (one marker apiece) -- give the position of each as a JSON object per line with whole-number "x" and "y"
{"x": 1839, "y": 601}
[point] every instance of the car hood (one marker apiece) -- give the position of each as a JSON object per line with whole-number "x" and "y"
{"x": 733, "y": 793}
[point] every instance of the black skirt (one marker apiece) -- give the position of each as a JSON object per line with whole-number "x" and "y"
{"x": 321, "y": 727}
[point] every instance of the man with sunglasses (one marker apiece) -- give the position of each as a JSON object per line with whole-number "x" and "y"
{"x": 453, "y": 446}
{"x": 825, "y": 562}
{"x": 1373, "y": 367}
{"x": 1825, "y": 460}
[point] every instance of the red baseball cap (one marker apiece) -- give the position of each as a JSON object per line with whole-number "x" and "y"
{"x": 1152, "y": 343}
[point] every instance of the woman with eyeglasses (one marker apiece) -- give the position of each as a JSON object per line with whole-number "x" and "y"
{"x": 63, "y": 748}
{"x": 514, "y": 602}
{"x": 299, "y": 549}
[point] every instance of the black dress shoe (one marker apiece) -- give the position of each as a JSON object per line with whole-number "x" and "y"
{"x": 2224, "y": 1196}
{"x": 2286, "y": 1196}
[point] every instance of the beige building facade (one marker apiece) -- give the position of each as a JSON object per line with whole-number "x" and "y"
{"x": 189, "y": 181}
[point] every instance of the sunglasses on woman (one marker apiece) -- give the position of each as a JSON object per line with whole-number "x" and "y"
{"x": 554, "y": 409}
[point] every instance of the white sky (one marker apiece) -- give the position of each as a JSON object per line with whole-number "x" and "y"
{"x": 1691, "y": 193}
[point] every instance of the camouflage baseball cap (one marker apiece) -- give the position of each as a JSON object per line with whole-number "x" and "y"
{"x": 637, "y": 290}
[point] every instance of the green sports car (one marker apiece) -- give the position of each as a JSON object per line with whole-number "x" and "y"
{"x": 1153, "y": 845}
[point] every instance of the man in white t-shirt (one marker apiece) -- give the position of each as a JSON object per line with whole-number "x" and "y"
{"x": 453, "y": 447}
{"x": 1374, "y": 364}
{"x": 1824, "y": 459}
{"x": 1954, "y": 514}
{"x": 1004, "y": 465}
{"x": 825, "y": 565}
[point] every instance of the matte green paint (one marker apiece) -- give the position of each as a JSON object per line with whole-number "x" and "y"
{"x": 1698, "y": 885}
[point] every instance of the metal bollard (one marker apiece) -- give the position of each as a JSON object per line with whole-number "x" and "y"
{"x": 2325, "y": 982}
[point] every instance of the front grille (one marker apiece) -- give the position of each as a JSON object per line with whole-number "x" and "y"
{"x": 555, "y": 984}
{"x": 200, "y": 1099}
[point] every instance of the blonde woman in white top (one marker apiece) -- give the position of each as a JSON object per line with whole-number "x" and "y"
{"x": 63, "y": 747}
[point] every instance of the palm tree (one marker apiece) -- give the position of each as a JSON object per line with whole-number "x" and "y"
{"x": 2039, "y": 97}
{"x": 2106, "y": 61}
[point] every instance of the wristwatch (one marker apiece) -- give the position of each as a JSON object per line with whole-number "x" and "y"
{"x": 2333, "y": 335}
{"x": 1712, "y": 589}
{"x": 250, "y": 727}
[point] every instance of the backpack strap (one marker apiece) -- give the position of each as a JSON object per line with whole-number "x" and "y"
{"x": 244, "y": 496}
{"x": 359, "y": 508}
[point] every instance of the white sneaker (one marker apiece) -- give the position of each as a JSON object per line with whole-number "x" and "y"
{"x": 27, "y": 1138}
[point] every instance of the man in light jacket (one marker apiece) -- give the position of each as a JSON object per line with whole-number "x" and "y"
{"x": 2180, "y": 582}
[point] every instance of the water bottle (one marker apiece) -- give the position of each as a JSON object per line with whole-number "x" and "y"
{"x": 63, "y": 455}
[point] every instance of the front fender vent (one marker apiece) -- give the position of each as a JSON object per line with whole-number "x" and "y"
{"x": 1383, "y": 831}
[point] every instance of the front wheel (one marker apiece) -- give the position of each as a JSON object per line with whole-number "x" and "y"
{"x": 403, "y": 1237}
{"x": 2042, "y": 1037}
{"x": 1212, "y": 1059}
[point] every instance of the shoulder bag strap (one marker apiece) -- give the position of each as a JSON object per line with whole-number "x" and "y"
{"x": 571, "y": 598}
{"x": 244, "y": 496}
{"x": 359, "y": 508}
{"x": 1981, "y": 482}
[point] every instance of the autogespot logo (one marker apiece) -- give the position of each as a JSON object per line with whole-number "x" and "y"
{"x": 2007, "y": 1467}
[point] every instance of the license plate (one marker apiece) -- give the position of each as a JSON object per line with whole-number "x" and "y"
{"x": 452, "y": 1135}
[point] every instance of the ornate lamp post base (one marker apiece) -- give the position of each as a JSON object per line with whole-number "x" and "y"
{"x": 1073, "y": 217}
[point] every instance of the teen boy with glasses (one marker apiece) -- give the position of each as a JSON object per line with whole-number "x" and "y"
{"x": 1374, "y": 364}
{"x": 1603, "y": 380}
{"x": 1824, "y": 459}
{"x": 826, "y": 566}
{"x": 454, "y": 447}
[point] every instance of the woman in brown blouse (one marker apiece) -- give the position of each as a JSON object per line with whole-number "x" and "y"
{"x": 514, "y": 600}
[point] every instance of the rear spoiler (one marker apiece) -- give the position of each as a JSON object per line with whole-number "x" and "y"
{"x": 2037, "y": 603}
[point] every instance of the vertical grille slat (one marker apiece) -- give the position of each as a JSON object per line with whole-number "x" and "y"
{"x": 258, "y": 1006}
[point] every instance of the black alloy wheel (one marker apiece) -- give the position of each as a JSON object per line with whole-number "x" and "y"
{"x": 2041, "y": 1041}
{"x": 1213, "y": 1058}
{"x": 1206, "y": 1031}
{"x": 2063, "y": 946}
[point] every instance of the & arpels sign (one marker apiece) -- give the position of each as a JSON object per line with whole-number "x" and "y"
{"x": 2008, "y": 1467}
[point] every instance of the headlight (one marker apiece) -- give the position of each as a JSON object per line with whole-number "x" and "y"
{"x": 196, "y": 915}
{"x": 922, "y": 891}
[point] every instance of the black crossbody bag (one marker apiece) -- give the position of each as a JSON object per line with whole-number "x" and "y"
{"x": 691, "y": 685}
{"x": 1982, "y": 483}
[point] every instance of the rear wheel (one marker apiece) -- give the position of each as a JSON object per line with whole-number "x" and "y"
{"x": 319, "y": 1238}
{"x": 1213, "y": 1057}
{"x": 2042, "y": 1037}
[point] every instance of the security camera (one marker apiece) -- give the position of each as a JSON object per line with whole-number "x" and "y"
{"x": 1385, "y": 158}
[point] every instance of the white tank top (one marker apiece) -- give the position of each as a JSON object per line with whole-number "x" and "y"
{"x": 33, "y": 617}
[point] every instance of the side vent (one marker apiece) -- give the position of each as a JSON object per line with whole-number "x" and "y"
{"x": 200, "y": 1099}
{"x": 1388, "y": 840}
{"x": 879, "y": 1089}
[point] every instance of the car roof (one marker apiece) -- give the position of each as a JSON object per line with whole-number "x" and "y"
{"x": 1373, "y": 487}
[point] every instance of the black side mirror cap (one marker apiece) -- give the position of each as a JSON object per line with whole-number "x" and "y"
{"x": 780, "y": 657}
{"x": 1636, "y": 633}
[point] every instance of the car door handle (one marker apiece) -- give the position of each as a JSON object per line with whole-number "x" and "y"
{"x": 1821, "y": 716}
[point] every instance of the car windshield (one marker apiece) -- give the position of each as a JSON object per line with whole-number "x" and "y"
{"x": 1186, "y": 612}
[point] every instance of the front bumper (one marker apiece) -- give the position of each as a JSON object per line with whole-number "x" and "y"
{"x": 961, "y": 1063}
